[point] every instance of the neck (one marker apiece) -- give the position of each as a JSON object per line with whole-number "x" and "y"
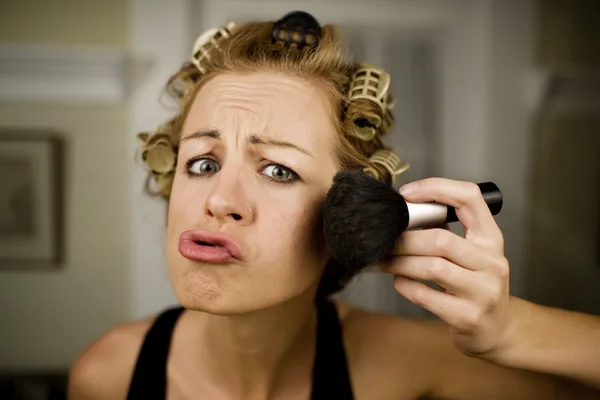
{"x": 253, "y": 354}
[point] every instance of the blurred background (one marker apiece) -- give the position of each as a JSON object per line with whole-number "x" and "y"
{"x": 501, "y": 90}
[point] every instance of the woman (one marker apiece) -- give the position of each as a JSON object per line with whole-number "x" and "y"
{"x": 270, "y": 112}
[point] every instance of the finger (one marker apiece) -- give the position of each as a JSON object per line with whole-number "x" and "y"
{"x": 442, "y": 243}
{"x": 441, "y": 226}
{"x": 446, "y": 227}
{"x": 465, "y": 197}
{"x": 455, "y": 311}
{"x": 451, "y": 277}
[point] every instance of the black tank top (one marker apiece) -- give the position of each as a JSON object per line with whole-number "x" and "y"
{"x": 331, "y": 379}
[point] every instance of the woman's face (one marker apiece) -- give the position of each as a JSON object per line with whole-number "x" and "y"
{"x": 256, "y": 159}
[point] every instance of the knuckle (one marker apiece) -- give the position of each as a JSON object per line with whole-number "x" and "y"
{"x": 438, "y": 270}
{"x": 492, "y": 297}
{"x": 419, "y": 296}
{"x": 471, "y": 319}
{"x": 498, "y": 238}
{"x": 500, "y": 235}
{"x": 472, "y": 192}
{"x": 442, "y": 240}
{"x": 502, "y": 267}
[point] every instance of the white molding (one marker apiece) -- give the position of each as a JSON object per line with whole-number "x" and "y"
{"x": 63, "y": 73}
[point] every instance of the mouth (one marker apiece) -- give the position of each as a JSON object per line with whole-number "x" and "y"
{"x": 209, "y": 247}
{"x": 201, "y": 243}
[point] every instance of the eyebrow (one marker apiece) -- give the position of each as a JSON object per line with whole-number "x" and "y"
{"x": 253, "y": 139}
{"x": 211, "y": 133}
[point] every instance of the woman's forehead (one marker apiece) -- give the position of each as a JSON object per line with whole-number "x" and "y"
{"x": 277, "y": 105}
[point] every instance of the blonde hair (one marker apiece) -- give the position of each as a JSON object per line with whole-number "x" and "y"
{"x": 250, "y": 48}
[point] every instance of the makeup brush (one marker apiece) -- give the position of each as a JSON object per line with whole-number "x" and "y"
{"x": 363, "y": 216}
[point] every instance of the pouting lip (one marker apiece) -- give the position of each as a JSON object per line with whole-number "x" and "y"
{"x": 218, "y": 239}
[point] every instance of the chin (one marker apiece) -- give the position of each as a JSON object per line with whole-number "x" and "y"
{"x": 212, "y": 305}
{"x": 222, "y": 303}
{"x": 199, "y": 291}
{"x": 197, "y": 288}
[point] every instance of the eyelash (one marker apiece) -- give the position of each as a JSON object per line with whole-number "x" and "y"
{"x": 295, "y": 177}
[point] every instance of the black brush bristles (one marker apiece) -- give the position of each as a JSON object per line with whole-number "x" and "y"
{"x": 363, "y": 217}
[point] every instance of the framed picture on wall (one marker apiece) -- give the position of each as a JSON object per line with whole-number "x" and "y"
{"x": 31, "y": 199}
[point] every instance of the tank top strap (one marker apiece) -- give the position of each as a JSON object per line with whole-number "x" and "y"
{"x": 331, "y": 377}
{"x": 149, "y": 379}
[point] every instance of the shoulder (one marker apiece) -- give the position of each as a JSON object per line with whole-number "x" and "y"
{"x": 375, "y": 331}
{"x": 104, "y": 368}
{"x": 393, "y": 355}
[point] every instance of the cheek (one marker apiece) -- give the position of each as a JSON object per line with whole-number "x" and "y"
{"x": 297, "y": 231}
{"x": 184, "y": 201}
{"x": 182, "y": 213}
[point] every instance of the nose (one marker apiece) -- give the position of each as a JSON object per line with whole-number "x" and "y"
{"x": 227, "y": 202}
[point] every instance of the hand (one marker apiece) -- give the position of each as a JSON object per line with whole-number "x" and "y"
{"x": 472, "y": 271}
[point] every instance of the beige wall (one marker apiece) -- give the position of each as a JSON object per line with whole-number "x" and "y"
{"x": 564, "y": 269}
{"x": 564, "y": 215}
{"x": 46, "y": 317}
{"x": 80, "y": 22}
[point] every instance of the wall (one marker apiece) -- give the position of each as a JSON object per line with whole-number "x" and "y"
{"x": 167, "y": 49}
{"x": 564, "y": 240}
{"x": 511, "y": 51}
{"x": 564, "y": 266}
{"x": 47, "y": 317}
{"x": 92, "y": 23}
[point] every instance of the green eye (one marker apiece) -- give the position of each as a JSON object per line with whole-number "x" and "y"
{"x": 279, "y": 172}
{"x": 203, "y": 166}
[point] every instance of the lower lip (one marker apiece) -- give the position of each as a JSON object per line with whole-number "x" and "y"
{"x": 193, "y": 251}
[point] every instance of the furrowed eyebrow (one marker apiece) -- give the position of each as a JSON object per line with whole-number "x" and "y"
{"x": 253, "y": 139}
{"x": 211, "y": 133}
{"x": 257, "y": 140}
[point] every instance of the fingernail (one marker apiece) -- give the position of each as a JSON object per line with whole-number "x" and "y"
{"x": 407, "y": 189}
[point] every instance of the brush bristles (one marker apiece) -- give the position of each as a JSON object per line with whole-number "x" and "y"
{"x": 363, "y": 217}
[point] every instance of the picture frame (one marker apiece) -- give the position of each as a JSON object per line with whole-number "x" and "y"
{"x": 32, "y": 167}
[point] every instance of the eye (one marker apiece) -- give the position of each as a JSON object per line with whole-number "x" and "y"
{"x": 202, "y": 166}
{"x": 280, "y": 173}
